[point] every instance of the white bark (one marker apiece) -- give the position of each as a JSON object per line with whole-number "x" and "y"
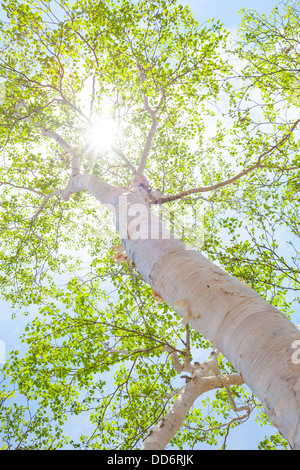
{"x": 254, "y": 336}
{"x": 160, "y": 436}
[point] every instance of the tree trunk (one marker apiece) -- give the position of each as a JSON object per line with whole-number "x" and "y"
{"x": 253, "y": 335}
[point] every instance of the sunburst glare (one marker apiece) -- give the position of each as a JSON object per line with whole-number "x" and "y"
{"x": 103, "y": 134}
{"x": 103, "y": 131}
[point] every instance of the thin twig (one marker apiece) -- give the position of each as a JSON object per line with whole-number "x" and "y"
{"x": 125, "y": 159}
{"x": 153, "y": 114}
{"x": 76, "y": 160}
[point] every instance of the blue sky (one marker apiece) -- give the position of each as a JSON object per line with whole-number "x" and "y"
{"x": 226, "y": 11}
{"x": 246, "y": 436}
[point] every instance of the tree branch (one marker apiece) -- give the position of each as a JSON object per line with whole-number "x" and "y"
{"x": 58, "y": 192}
{"x": 125, "y": 159}
{"x": 39, "y": 193}
{"x": 160, "y": 436}
{"x": 205, "y": 189}
{"x": 148, "y": 144}
{"x": 204, "y": 377}
{"x": 153, "y": 115}
{"x": 126, "y": 352}
{"x": 204, "y": 432}
{"x": 76, "y": 160}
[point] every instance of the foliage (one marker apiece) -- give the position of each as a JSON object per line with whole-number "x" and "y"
{"x": 95, "y": 351}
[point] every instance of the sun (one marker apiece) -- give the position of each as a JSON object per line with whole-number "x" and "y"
{"x": 102, "y": 129}
{"x": 103, "y": 133}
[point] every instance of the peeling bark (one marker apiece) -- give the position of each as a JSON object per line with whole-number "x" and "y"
{"x": 253, "y": 335}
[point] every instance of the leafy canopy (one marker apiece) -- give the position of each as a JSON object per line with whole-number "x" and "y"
{"x": 98, "y": 346}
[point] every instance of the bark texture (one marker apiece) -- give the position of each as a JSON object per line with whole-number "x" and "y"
{"x": 253, "y": 335}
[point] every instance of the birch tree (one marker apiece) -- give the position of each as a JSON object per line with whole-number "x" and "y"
{"x": 106, "y": 230}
